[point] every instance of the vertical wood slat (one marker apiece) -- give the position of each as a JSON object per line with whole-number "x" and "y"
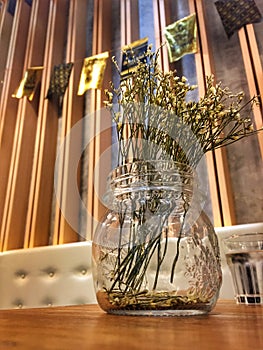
{"x": 2, "y": 11}
{"x": 129, "y": 22}
{"x": 218, "y": 172}
{"x": 129, "y": 28}
{"x": 9, "y": 109}
{"x": 160, "y": 14}
{"x": 253, "y": 69}
{"x": 123, "y": 14}
{"x": 42, "y": 180}
{"x": 6, "y": 22}
{"x": 102, "y": 31}
{"x": 92, "y": 127}
{"x": 102, "y": 140}
{"x": 72, "y": 113}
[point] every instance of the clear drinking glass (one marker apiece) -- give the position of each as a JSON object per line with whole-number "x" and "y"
{"x": 244, "y": 255}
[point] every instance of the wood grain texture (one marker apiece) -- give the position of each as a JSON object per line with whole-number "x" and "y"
{"x": 228, "y": 326}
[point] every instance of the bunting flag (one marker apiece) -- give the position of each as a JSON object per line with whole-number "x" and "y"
{"x": 29, "y": 83}
{"x": 11, "y": 7}
{"x": 133, "y": 53}
{"x": 235, "y": 14}
{"x": 1, "y": 5}
{"x": 181, "y": 37}
{"x": 59, "y": 83}
{"x": 92, "y": 72}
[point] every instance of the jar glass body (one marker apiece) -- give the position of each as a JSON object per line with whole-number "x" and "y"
{"x": 155, "y": 252}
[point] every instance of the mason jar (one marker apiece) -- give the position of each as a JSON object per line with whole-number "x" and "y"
{"x": 155, "y": 252}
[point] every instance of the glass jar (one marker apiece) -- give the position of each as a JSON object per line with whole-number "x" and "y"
{"x": 155, "y": 252}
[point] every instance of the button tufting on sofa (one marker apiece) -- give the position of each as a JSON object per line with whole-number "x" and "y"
{"x": 46, "y": 276}
{"x": 62, "y": 274}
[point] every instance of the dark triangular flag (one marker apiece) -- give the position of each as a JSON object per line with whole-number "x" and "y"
{"x": 59, "y": 83}
{"x": 133, "y": 53}
{"x": 235, "y": 14}
{"x": 1, "y": 5}
{"x": 11, "y": 7}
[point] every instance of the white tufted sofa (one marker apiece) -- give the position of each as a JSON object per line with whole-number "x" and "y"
{"x": 46, "y": 276}
{"x": 227, "y": 289}
{"x": 61, "y": 274}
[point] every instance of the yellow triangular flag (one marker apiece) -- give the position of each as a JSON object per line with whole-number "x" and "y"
{"x": 92, "y": 72}
{"x": 181, "y": 37}
{"x": 28, "y": 84}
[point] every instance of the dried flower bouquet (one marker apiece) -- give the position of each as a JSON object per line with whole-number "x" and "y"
{"x": 155, "y": 122}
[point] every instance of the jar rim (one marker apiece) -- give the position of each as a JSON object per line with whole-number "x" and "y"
{"x": 151, "y": 165}
{"x": 146, "y": 176}
{"x": 243, "y": 242}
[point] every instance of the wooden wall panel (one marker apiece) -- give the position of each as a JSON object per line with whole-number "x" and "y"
{"x": 102, "y": 41}
{"x": 205, "y": 67}
{"x": 219, "y": 183}
{"x": 238, "y": 66}
{"x": 129, "y": 22}
{"x": 253, "y": 68}
{"x": 218, "y": 172}
{"x": 39, "y": 216}
{"x": 161, "y": 19}
{"x": 6, "y": 22}
{"x": 73, "y": 111}
{"x": 9, "y": 109}
{"x": 53, "y": 32}
{"x": 24, "y": 138}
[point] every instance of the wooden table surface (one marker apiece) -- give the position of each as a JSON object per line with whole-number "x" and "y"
{"x": 227, "y": 327}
